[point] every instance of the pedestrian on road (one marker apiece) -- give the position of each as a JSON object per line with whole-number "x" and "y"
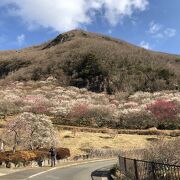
{"x": 53, "y": 156}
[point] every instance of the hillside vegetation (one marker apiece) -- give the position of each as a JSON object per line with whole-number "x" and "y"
{"x": 79, "y": 107}
{"x": 96, "y": 62}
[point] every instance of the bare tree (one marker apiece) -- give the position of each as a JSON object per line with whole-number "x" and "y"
{"x": 164, "y": 151}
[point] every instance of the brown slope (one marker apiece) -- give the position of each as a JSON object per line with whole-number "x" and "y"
{"x": 94, "y": 61}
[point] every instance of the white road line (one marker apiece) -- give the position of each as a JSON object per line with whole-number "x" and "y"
{"x": 69, "y": 165}
{"x": 2, "y": 174}
{"x": 34, "y": 175}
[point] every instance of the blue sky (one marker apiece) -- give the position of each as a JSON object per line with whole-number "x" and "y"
{"x": 152, "y": 24}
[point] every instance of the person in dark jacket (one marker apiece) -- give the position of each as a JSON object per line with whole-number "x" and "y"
{"x": 53, "y": 156}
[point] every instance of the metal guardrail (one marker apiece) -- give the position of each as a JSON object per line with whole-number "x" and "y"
{"x": 145, "y": 170}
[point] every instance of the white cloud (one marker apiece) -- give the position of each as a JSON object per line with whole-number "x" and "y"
{"x": 159, "y": 31}
{"x": 65, "y": 15}
{"x": 115, "y": 10}
{"x": 154, "y": 27}
{"x": 145, "y": 45}
{"x": 170, "y": 32}
{"x": 20, "y": 39}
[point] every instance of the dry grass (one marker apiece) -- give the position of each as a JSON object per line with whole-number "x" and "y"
{"x": 76, "y": 141}
{"x": 151, "y": 131}
{"x": 83, "y": 140}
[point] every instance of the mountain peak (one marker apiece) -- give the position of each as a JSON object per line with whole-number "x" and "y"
{"x": 67, "y": 36}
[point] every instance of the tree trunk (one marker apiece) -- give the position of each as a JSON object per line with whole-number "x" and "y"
{"x": 2, "y": 146}
{"x": 15, "y": 142}
{"x": 31, "y": 146}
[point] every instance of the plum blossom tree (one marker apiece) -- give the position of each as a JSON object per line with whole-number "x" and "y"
{"x": 13, "y": 132}
{"x": 30, "y": 131}
{"x": 166, "y": 112}
{"x": 79, "y": 111}
{"x": 38, "y": 104}
{"x": 163, "y": 110}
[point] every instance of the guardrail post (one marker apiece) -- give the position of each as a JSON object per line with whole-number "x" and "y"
{"x": 125, "y": 167}
{"x": 136, "y": 170}
{"x": 153, "y": 170}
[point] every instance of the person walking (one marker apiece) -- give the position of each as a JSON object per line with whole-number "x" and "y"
{"x": 53, "y": 156}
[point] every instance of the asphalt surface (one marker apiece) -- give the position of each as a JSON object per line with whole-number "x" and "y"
{"x": 76, "y": 172}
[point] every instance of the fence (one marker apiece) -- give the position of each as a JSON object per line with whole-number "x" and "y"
{"x": 145, "y": 170}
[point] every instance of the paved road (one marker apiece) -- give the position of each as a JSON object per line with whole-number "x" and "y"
{"x": 80, "y": 172}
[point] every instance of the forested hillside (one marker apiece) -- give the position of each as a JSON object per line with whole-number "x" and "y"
{"x": 96, "y": 62}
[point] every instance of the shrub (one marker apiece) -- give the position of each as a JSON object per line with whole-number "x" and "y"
{"x": 63, "y": 153}
{"x": 78, "y": 111}
{"x": 166, "y": 113}
{"x": 82, "y": 115}
{"x": 8, "y": 108}
{"x": 9, "y": 66}
{"x": 103, "y": 153}
{"x": 99, "y": 117}
{"x": 22, "y": 157}
{"x": 136, "y": 120}
{"x": 39, "y": 109}
{"x": 163, "y": 110}
{"x": 164, "y": 152}
{"x": 35, "y": 155}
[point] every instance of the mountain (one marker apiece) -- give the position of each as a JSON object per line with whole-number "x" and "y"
{"x": 96, "y": 62}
